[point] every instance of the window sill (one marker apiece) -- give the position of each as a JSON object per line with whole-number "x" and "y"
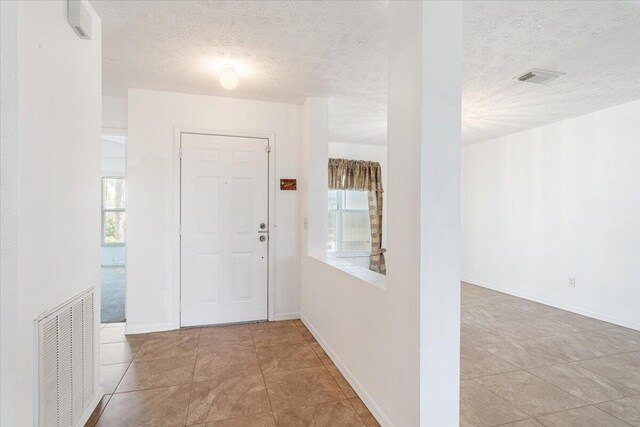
{"x": 364, "y": 274}
{"x": 358, "y": 255}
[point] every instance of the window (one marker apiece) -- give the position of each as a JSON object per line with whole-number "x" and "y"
{"x": 349, "y": 228}
{"x": 113, "y": 214}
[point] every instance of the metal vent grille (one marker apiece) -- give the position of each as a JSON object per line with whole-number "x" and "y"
{"x": 66, "y": 353}
{"x": 539, "y": 76}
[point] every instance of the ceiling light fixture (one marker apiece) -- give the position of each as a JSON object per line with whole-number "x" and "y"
{"x": 229, "y": 78}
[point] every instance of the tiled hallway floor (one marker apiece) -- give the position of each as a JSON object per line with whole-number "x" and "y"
{"x": 253, "y": 375}
{"x": 525, "y": 364}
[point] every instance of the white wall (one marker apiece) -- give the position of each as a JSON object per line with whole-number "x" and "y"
{"x": 114, "y": 113}
{"x": 559, "y": 201}
{"x": 152, "y": 117}
{"x": 398, "y": 345}
{"x": 8, "y": 210}
{"x": 57, "y": 178}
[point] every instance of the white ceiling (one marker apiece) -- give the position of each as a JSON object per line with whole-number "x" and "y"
{"x": 596, "y": 43}
{"x": 285, "y": 51}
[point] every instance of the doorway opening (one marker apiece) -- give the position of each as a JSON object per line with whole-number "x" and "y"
{"x": 113, "y": 219}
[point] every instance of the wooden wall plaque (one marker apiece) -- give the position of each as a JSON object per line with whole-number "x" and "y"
{"x": 288, "y": 184}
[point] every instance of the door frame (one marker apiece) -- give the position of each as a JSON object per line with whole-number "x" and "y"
{"x": 176, "y": 220}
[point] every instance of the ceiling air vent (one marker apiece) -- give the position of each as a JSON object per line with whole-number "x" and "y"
{"x": 539, "y": 76}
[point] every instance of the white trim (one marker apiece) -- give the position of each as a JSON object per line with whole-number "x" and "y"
{"x": 271, "y": 275}
{"x": 375, "y": 410}
{"x": 568, "y": 307}
{"x": 99, "y": 394}
{"x": 153, "y": 327}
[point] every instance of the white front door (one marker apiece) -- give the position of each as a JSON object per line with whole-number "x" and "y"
{"x": 224, "y": 218}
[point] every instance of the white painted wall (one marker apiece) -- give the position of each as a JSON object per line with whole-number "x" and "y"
{"x": 440, "y": 220}
{"x": 398, "y": 346}
{"x": 114, "y": 113}
{"x": 555, "y": 202}
{"x": 8, "y": 210}
{"x": 152, "y": 117}
{"x": 55, "y": 133}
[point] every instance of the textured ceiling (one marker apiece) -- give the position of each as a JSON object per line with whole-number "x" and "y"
{"x": 596, "y": 43}
{"x": 285, "y": 51}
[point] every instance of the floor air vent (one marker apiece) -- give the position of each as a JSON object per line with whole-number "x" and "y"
{"x": 66, "y": 353}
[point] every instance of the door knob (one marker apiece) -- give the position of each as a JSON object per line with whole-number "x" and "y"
{"x": 263, "y": 238}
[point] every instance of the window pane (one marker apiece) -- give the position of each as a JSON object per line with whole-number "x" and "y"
{"x": 113, "y": 193}
{"x": 356, "y": 200}
{"x": 355, "y": 232}
{"x": 114, "y": 227}
{"x": 331, "y": 235}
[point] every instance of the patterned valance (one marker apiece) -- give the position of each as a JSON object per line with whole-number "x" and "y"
{"x": 363, "y": 175}
{"x": 359, "y": 175}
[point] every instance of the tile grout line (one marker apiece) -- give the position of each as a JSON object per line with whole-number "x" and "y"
{"x": 323, "y": 364}
{"x": 193, "y": 376}
{"x": 613, "y": 415}
{"x": 119, "y": 381}
{"x": 572, "y": 362}
{"x": 579, "y": 407}
{"x": 553, "y": 364}
{"x": 264, "y": 381}
{"x": 594, "y": 373}
{"x": 299, "y": 327}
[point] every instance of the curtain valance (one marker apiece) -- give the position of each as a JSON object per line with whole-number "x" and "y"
{"x": 363, "y": 175}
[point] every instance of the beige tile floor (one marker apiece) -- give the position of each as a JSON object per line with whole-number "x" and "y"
{"x": 523, "y": 364}
{"x": 253, "y": 375}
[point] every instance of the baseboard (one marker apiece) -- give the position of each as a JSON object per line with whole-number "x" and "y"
{"x": 143, "y": 329}
{"x": 287, "y": 316}
{"x": 568, "y": 307}
{"x": 92, "y": 407}
{"x": 375, "y": 410}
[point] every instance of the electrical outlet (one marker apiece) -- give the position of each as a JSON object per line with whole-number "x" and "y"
{"x": 572, "y": 282}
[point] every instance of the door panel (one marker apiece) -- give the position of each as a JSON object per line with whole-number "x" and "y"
{"x": 224, "y": 199}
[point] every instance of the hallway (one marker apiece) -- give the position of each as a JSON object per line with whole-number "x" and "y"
{"x": 523, "y": 364}
{"x": 112, "y": 286}
{"x": 250, "y": 375}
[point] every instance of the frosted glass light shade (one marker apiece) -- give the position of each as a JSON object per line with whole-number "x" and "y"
{"x": 229, "y": 78}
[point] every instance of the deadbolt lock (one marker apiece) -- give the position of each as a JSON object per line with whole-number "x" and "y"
{"x": 263, "y": 226}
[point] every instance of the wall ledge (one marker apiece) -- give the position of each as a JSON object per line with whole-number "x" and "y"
{"x": 364, "y": 274}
